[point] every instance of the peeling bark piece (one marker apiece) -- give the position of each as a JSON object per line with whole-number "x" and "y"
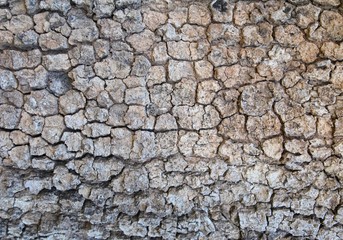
{"x": 169, "y": 33}
{"x": 300, "y": 92}
{"x": 101, "y": 48}
{"x": 116, "y": 90}
{"x": 40, "y": 80}
{"x": 337, "y": 76}
{"x": 25, "y": 77}
{"x": 58, "y": 152}
{"x": 329, "y": 2}
{"x": 107, "y": 168}
{"x": 220, "y": 55}
{"x": 59, "y": 83}
{"x": 134, "y": 21}
{"x": 203, "y": 69}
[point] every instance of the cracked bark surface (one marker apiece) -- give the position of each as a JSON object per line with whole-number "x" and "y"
{"x": 139, "y": 119}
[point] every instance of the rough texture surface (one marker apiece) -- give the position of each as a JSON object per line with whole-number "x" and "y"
{"x": 158, "y": 119}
